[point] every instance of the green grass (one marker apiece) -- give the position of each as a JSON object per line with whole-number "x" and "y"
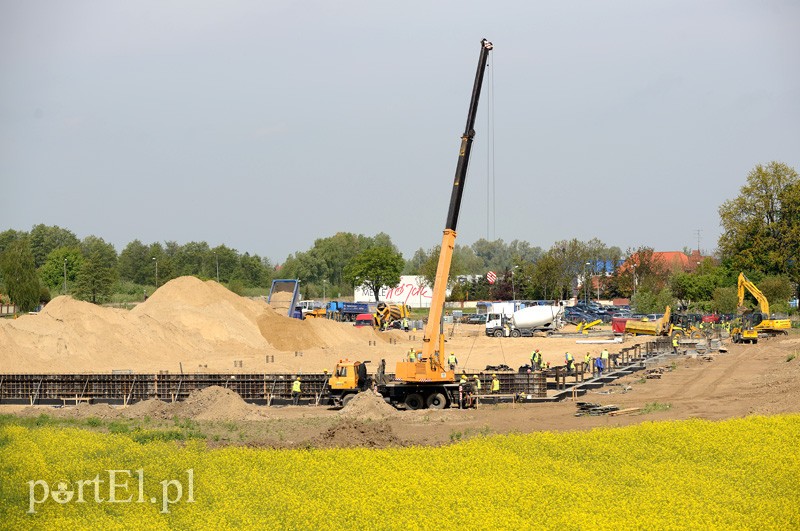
{"x": 653, "y": 407}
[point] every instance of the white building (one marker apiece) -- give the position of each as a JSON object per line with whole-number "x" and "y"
{"x": 412, "y": 290}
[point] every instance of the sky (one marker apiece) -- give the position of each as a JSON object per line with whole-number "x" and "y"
{"x": 266, "y": 125}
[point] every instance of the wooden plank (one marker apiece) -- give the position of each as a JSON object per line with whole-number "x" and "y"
{"x": 624, "y": 411}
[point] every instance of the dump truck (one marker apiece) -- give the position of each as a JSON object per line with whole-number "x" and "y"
{"x": 283, "y": 296}
{"x": 428, "y": 381}
{"x": 348, "y": 311}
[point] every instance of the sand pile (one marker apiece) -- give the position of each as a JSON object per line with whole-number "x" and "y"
{"x": 214, "y": 403}
{"x": 368, "y": 405}
{"x": 186, "y": 324}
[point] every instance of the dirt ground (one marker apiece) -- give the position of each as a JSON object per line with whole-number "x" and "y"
{"x": 202, "y": 327}
{"x": 749, "y": 379}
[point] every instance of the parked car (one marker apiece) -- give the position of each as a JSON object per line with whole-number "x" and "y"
{"x": 478, "y": 318}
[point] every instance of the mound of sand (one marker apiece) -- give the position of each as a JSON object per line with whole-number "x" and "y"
{"x": 368, "y": 405}
{"x": 185, "y": 324}
{"x": 214, "y": 403}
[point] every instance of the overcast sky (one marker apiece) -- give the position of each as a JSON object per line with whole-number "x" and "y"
{"x": 266, "y": 125}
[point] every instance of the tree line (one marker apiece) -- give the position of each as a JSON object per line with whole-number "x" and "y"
{"x": 761, "y": 237}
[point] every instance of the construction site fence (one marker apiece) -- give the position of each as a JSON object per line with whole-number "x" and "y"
{"x": 262, "y": 388}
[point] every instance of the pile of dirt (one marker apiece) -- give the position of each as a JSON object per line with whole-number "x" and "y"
{"x": 153, "y": 408}
{"x": 368, "y": 405}
{"x": 351, "y": 433}
{"x": 186, "y": 323}
{"x": 214, "y": 403}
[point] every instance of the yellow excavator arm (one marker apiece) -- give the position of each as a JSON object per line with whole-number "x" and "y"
{"x": 744, "y": 283}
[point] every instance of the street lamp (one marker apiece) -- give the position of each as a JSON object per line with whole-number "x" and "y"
{"x": 633, "y": 268}
{"x": 156, "y": 262}
{"x": 587, "y": 284}
{"x": 65, "y": 276}
{"x": 324, "y": 282}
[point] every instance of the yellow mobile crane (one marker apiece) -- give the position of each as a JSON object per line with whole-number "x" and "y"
{"x": 428, "y": 381}
{"x": 751, "y": 323}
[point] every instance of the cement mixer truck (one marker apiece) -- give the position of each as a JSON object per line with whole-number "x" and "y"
{"x": 525, "y": 321}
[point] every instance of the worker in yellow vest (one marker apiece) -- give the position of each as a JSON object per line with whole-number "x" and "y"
{"x": 587, "y": 362}
{"x": 452, "y": 361}
{"x": 463, "y": 379}
{"x": 412, "y": 356}
{"x": 477, "y": 383}
{"x": 675, "y": 344}
{"x": 570, "y": 359}
{"x": 495, "y": 384}
{"x": 536, "y": 360}
{"x": 296, "y": 390}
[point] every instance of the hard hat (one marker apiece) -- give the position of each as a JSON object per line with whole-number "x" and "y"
{"x": 494, "y": 374}
{"x": 297, "y": 378}
{"x": 475, "y": 376}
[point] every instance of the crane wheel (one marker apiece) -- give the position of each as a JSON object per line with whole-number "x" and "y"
{"x": 697, "y": 335}
{"x": 414, "y": 401}
{"x": 347, "y": 398}
{"x": 437, "y": 401}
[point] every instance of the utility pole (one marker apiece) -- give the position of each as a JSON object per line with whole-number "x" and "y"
{"x": 65, "y": 276}
{"x": 156, "y": 262}
{"x": 216, "y": 259}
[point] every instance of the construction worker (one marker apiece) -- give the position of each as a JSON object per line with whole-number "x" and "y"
{"x": 477, "y": 383}
{"x": 604, "y": 358}
{"x": 412, "y": 356}
{"x": 675, "y": 344}
{"x": 495, "y": 384}
{"x": 296, "y": 391}
{"x": 463, "y": 379}
{"x": 587, "y": 362}
{"x": 570, "y": 359}
{"x": 452, "y": 361}
{"x": 536, "y": 360}
{"x": 405, "y": 324}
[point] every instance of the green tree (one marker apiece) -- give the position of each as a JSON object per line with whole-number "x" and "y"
{"x": 9, "y": 236}
{"x": 724, "y": 299}
{"x": 374, "y": 268}
{"x": 46, "y": 239}
{"x": 19, "y": 275}
{"x": 135, "y": 264}
{"x": 761, "y": 227}
{"x": 95, "y": 279}
{"x": 778, "y": 291}
{"x": 62, "y": 259}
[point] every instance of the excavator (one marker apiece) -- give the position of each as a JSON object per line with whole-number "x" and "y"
{"x": 428, "y": 381}
{"x": 747, "y": 327}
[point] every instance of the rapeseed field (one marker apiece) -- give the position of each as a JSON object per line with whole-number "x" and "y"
{"x": 734, "y": 474}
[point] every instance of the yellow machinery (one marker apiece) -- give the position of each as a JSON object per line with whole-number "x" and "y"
{"x": 388, "y": 313}
{"x": 657, "y": 327}
{"x": 432, "y": 367}
{"x": 428, "y": 381}
{"x": 583, "y": 326}
{"x": 760, "y": 322}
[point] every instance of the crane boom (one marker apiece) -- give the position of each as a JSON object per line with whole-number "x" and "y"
{"x": 432, "y": 368}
